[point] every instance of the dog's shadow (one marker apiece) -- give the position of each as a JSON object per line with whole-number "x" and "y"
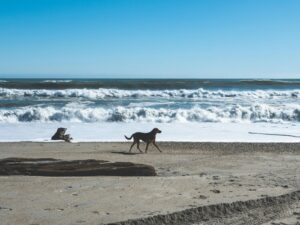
{"x": 126, "y": 153}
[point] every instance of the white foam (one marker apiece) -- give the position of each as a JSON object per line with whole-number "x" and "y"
{"x": 222, "y": 114}
{"x": 191, "y": 132}
{"x": 102, "y": 93}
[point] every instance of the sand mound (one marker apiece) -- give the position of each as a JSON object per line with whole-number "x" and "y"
{"x": 241, "y": 212}
{"x": 55, "y": 167}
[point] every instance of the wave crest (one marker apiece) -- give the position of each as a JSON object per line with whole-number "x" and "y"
{"x": 254, "y": 113}
{"x": 102, "y": 93}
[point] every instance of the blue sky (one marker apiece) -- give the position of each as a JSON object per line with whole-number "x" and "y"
{"x": 150, "y": 38}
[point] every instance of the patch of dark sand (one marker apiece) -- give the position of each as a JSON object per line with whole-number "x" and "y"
{"x": 55, "y": 167}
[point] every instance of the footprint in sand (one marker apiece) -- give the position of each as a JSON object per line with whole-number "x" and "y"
{"x": 216, "y": 178}
{"x": 202, "y": 174}
{"x": 4, "y": 208}
{"x": 214, "y": 183}
{"x": 202, "y": 197}
{"x": 58, "y": 209}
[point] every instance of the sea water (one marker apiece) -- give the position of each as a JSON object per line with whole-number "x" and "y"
{"x": 184, "y": 109}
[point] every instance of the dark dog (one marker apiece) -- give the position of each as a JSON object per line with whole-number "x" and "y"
{"x": 145, "y": 137}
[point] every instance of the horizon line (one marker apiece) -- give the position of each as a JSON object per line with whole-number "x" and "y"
{"x": 157, "y": 77}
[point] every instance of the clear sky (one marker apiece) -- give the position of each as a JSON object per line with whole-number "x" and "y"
{"x": 150, "y": 38}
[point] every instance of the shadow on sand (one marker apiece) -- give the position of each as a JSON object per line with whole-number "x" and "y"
{"x": 126, "y": 153}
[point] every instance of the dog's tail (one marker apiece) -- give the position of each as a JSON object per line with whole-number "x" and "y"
{"x": 128, "y": 138}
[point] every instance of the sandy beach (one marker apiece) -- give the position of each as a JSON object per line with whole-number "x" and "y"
{"x": 196, "y": 183}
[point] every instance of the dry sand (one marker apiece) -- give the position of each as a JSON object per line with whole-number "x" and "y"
{"x": 197, "y": 183}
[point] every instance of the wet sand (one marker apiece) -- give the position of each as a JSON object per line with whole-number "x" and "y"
{"x": 201, "y": 183}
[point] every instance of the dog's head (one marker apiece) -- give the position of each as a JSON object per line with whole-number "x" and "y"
{"x": 156, "y": 130}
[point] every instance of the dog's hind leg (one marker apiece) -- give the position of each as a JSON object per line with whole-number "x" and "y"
{"x": 138, "y": 146}
{"x": 156, "y": 146}
{"x": 132, "y": 146}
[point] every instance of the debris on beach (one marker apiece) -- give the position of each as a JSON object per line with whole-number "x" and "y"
{"x": 60, "y": 135}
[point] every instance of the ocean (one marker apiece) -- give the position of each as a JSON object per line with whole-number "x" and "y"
{"x": 185, "y": 109}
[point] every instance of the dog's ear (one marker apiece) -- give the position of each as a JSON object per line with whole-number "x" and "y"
{"x": 157, "y": 130}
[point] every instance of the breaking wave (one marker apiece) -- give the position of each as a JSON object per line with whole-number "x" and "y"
{"x": 72, "y": 113}
{"x": 103, "y": 93}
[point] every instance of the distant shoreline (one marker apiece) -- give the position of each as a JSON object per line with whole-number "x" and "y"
{"x": 189, "y": 147}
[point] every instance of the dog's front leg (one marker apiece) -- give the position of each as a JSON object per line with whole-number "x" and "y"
{"x": 138, "y": 147}
{"x": 147, "y": 147}
{"x": 156, "y": 146}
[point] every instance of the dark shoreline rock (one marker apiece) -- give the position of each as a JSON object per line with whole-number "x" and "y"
{"x": 55, "y": 167}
